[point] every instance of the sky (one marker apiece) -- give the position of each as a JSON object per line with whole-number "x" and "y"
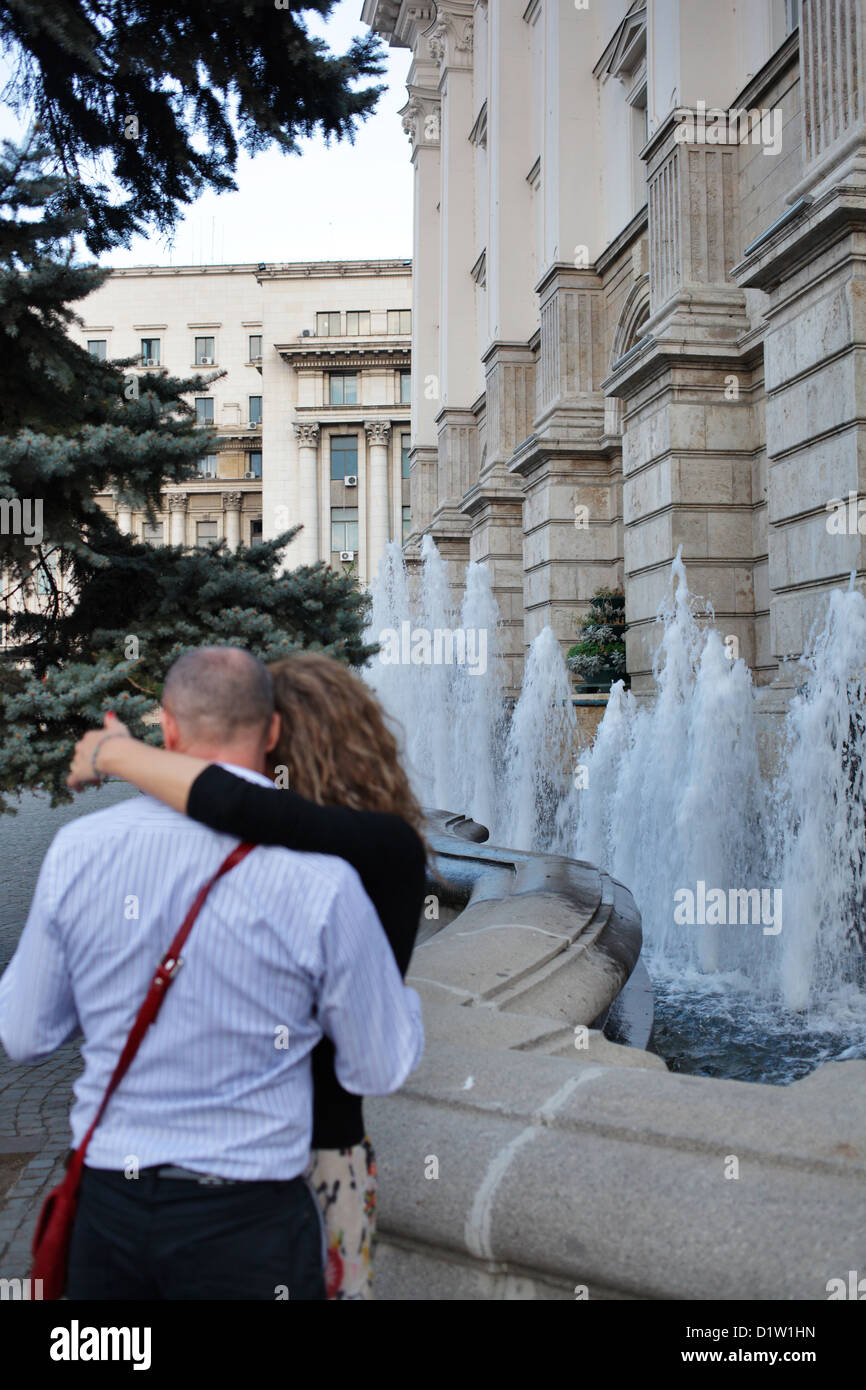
{"x": 339, "y": 203}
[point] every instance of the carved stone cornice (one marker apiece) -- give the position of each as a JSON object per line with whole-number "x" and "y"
{"x": 307, "y": 435}
{"x": 451, "y": 40}
{"x": 305, "y": 356}
{"x": 232, "y": 501}
{"x": 378, "y": 431}
{"x": 422, "y": 118}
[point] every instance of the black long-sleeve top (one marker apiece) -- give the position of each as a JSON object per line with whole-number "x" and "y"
{"x": 390, "y": 859}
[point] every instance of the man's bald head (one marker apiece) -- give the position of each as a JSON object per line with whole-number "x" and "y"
{"x": 219, "y": 696}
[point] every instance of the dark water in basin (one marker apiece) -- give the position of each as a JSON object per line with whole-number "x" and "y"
{"x": 714, "y": 1026}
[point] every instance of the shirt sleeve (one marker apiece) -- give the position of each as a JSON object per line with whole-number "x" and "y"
{"x": 372, "y": 1018}
{"x": 37, "y": 1006}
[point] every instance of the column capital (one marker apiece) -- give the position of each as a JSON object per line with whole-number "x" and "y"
{"x": 452, "y": 38}
{"x": 307, "y": 435}
{"x": 378, "y": 431}
{"x": 232, "y": 501}
{"x": 422, "y": 119}
{"x": 177, "y": 501}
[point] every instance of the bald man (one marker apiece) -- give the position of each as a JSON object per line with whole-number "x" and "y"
{"x": 193, "y": 1186}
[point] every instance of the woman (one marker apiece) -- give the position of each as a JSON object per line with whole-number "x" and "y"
{"x": 348, "y": 796}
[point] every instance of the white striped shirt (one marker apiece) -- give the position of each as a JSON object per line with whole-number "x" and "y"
{"x": 286, "y": 946}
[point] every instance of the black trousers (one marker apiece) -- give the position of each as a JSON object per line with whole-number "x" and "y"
{"x": 171, "y": 1238}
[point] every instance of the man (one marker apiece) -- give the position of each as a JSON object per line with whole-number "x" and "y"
{"x": 193, "y": 1186}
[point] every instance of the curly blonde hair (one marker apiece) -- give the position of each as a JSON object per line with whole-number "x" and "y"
{"x": 334, "y": 741}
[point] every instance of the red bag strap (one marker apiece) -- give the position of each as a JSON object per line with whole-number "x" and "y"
{"x": 153, "y": 1002}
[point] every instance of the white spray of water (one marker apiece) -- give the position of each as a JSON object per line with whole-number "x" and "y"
{"x": 673, "y": 791}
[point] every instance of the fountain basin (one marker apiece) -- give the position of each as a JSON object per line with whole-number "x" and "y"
{"x": 533, "y": 947}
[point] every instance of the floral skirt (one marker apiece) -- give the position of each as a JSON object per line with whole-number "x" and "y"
{"x": 344, "y": 1182}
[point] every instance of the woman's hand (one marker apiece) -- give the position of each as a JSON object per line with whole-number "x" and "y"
{"x": 81, "y": 770}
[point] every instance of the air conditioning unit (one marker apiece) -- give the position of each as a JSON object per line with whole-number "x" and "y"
{"x": 150, "y": 362}
{"x": 254, "y": 424}
{"x": 351, "y": 480}
{"x": 305, "y": 333}
{"x": 251, "y": 475}
{"x": 347, "y": 555}
{"x": 205, "y": 361}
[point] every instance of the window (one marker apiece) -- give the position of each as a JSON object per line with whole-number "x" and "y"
{"x": 207, "y": 467}
{"x": 205, "y": 353}
{"x": 96, "y": 347}
{"x": 407, "y": 523}
{"x": 256, "y": 531}
{"x": 255, "y": 347}
{"x": 344, "y": 458}
{"x": 639, "y": 137}
{"x": 404, "y": 455}
{"x": 254, "y": 463}
{"x": 357, "y": 322}
{"x": 327, "y": 325}
{"x": 205, "y": 532}
{"x": 399, "y": 320}
{"x": 344, "y": 528}
{"x": 203, "y": 410}
{"x": 255, "y": 410}
{"x": 405, "y": 388}
{"x": 792, "y": 15}
{"x": 150, "y": 352}
{"x": 153, "y": 532}
{"x": 343, "y": 388}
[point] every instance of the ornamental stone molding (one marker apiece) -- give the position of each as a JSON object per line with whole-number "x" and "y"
{"x": 422, "y": 121}
{"x": 378, "y": 431}
{"x": 452, "y": 35}
{"x": 232, "y": 501}
{"x": 177, "y": 501}
{"x": 307, "y": 436}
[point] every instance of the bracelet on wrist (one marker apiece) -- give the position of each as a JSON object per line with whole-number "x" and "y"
{"x": 95, "y": 754}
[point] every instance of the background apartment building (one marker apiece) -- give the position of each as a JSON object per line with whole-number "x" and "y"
{"x": 623, "y": 341}
{"x": 311, "y": 416}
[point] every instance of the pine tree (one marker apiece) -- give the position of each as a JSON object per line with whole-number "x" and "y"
{"x": 106, "y": 614}
{"x": 599, "y": 656}
{"x": 156, "y": 97}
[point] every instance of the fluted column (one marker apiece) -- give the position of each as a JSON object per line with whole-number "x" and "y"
{"x": 307, "y": 436}
{"x": 177, "y": 505}
{"x": 378, "y": 435}
{"x": 232, "y": 508}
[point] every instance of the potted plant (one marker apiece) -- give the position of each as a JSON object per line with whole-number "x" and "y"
{"x": 598, "y": 659}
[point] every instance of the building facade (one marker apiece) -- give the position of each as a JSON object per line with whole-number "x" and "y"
{"x": 311, "y": 416}
{"x": 638, "y": 304}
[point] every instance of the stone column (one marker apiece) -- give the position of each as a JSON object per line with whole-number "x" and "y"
{"x": 308, "y": 493}
{"x": 422, "y": 122}
{"x": 812, "y": 264}
{"x": 124, "y": 519}
{"x": 460, "y": 381}
{"x": 177, "y": 505}
{"x": 378, "y": 530}
{"x": 232, "y": 502}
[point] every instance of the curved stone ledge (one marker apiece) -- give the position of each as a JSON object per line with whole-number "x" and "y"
{"x": 558, "y": 1173}
{"x": 542, "y": 936}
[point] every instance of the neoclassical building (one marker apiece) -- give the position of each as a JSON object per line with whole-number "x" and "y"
{"x": 311, "y": 416}
{"x": 639, "y": 304}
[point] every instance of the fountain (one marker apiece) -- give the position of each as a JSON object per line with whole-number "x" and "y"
{"x": 671, "y": 801}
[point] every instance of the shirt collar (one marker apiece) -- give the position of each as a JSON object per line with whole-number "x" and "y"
{"x": 248, "y": 774}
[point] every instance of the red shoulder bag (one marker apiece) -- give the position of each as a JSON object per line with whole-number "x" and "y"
{"x": 53, "y": 1232}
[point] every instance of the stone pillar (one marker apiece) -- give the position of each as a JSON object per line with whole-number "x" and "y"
{"x": 378, "y": 529}
{"x": 307, "y": 436}
{"x": 124, "y": 518}
{"x": 690, "y": 429}
{"x": 232, "y": 502}
{"x": 177, "y": 505}
{"x": 422, "y": 122}
{"x": 450, "y": 45}
{"x": 812, "y": 265}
